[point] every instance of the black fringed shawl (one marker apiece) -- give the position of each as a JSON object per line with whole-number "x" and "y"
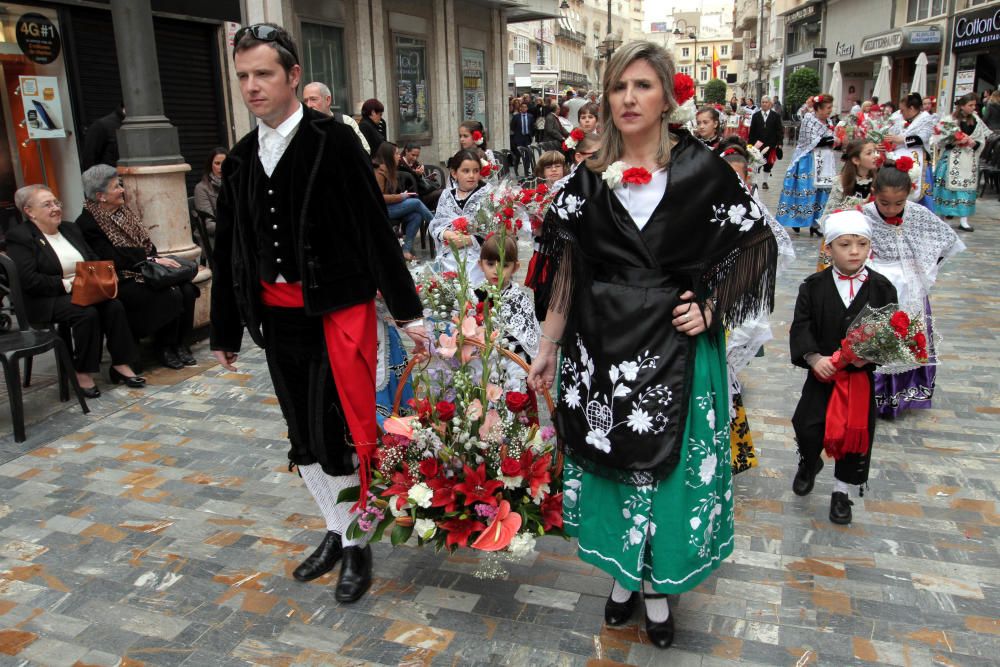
{"x": 626, "y": 370}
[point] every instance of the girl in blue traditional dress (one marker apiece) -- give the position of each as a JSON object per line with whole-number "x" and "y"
{"x": 913, "y": 140}
{"x": 654, "y": 246}
{"x": 812, "y": 171}
{"x": 389, "y": 365}
{"x": 957, "y": 174}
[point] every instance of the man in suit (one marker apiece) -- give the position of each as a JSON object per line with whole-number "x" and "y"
{"x": 317, "y": 95}
{"x": 303, "y": 242}
{"x": 766, "y": 132}
{"x": 522, "y": 129}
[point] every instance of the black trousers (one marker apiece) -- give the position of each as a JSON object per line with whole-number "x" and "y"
{"x": 809, "y": 422}
{"x": 167, "y": 315}
{"x": 89, "y": 325}
{"x": 303, "y": 382}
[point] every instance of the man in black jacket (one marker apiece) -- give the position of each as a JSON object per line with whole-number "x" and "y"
{"x": 522, "y": 129}
{"x": 303, "y": 242}
{"x": 766, "y": 132}
{"x": 100, "y": 145}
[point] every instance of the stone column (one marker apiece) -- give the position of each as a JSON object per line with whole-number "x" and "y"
{"x": 149, "y": 151}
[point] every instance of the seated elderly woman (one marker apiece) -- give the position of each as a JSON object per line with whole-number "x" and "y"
{"x": 46, "y": 250}
{"x": 116, "y": 233}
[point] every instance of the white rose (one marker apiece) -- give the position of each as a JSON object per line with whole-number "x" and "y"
{"x": 613, "y": 174}
{"x": 421, "y": 495}
{"x": 425, "y": 528}
{"x": 522, "y": 545}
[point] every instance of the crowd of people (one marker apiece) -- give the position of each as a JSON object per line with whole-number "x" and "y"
{"x": 655, "y": 224}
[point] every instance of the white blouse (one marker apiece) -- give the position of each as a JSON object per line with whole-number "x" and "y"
{"x": 641, "y": 200}
{"x": 68, "y": 257}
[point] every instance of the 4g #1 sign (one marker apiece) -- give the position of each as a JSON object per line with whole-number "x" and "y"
{"x": 38, "y": 38}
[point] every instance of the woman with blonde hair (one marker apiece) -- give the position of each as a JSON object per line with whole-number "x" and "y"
{"x": 658, "y": 236}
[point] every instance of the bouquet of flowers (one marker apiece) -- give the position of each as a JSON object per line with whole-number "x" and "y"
{"x": 510, "y": 205}
{"x": 874, "y": 128}
{"x": 471, "y": 466}
{"x": 896, "y": 339}
{"x": 755, "y": 157}
{"x": 439, "y": 295}
{"x": 947, "y": 129}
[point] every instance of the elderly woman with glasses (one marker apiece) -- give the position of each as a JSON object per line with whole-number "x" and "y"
{"x": 46, "y": 250}
{"x": 116, "y": 233}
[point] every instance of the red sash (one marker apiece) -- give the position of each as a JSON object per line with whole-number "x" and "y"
{"x": 847, "y": 410}
{"x": 352, "y": 345}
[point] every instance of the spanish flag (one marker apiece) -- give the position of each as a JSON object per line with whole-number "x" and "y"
{"x": 715, "y": 64}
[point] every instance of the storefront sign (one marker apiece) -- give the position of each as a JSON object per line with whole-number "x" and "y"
{"x": 889, "y": 41}
{"x": 38, "y": 38}
{"x": 924, "y": 37}
{"x": 977, "y": 30}
{"x": 819, "y": 52}
{"x": 844, "y": 50}
{"x": 411, "y": 86}
{"x": 42, "y": 107}
{"x": 800, "y": 14}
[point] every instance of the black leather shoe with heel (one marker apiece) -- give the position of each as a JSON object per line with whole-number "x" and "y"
{"x": 661, "y": 634}
{"x": 133, "y": 381}
{"x": 619, "y": 613}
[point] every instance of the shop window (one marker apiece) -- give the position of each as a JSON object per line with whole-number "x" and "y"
{"x": 412, "y": 89}
{"x": 323, "y": 60}
{"x": 917, "y": 10}
{"x": 474, "y": 85}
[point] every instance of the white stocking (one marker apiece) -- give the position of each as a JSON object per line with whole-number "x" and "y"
{"x": 840, "y": 487}
{"x": 619, "y": 593}
{"x": 325, "y": 489}
{"x": 657, "y": 609}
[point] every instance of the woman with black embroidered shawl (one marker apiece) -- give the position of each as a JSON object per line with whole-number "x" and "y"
{"x": 655, "y": 244}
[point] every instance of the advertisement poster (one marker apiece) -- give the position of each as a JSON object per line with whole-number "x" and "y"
{"x": 42, "y": 107}
{"x": 411, "y": 86}
{"x": 474, "y": 85}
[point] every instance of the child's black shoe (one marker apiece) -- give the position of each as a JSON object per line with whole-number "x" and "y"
{"x": 840, "y": 508}
{"x": 802, "y": 485}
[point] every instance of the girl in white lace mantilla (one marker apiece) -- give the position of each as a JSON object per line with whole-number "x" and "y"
{"x": 462, "y": 200}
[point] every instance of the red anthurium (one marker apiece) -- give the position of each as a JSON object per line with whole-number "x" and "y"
{"x": 476, "y": 488}
{"x": 498, "y": 534}
{"x": 552, "y": 516}
{"x": 460, "y": 530}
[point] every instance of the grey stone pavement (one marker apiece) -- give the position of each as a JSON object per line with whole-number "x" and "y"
{"x": 162, "y": 529}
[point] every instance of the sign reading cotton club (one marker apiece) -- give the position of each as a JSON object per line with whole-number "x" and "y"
{"x": 977, "y": 30}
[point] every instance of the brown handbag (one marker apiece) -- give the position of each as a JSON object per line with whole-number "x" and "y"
{"x": 94, "y": 282}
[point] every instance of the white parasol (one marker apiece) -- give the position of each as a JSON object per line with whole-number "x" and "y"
{"x": 920, "y": 76}
{"x": 882, "y": 82}
{"x": 836, "y": 86}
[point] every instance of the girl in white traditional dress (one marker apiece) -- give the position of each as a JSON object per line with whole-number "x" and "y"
{"x": 913, "y": 140}
{"x": 454, "y": 219}
{"x": 956, "y": 177}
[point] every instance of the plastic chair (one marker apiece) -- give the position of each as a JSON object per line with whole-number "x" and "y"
{"x": 25, "y": 344}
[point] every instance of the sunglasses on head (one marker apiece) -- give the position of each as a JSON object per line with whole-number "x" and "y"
{"x": 263, "y": 32}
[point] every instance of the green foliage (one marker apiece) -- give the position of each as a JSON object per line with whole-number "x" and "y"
{"x": 801, "y": 84}
{"x": 715, "y": 91}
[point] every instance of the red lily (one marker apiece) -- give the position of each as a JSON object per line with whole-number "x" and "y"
{"x": 552, "y": 516}
{"x": 444, "y": 493}
{"x": 476, "y": 488}
{"x": 401, "y": 483}
{"x": 460, "y": 530}
{"x": 538, "y": 473}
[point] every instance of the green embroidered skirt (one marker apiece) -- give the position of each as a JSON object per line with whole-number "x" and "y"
{"x": 674, "y": 532}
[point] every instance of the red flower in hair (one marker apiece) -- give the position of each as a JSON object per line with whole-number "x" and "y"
{"x": 904, "y": 163}
{"x": 477, "y": 137}
{"x": 683, "y": 88}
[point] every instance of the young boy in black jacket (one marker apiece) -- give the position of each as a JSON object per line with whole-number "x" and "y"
{"x": 828, "y": 302}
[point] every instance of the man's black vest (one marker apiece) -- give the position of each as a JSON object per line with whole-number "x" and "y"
{"x": 275, "y": 230}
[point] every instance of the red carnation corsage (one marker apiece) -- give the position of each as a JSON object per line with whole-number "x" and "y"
{"x": 636, "y": 176}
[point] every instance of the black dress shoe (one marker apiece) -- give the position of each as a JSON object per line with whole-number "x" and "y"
{"x": 619, "y": 613}
{"x": 91, "y": 392}
{"x": 322, "y": 560}
{"x": 355, "y": 574}
{"x": 764, "y": 185}
{"x": 131, "y": 381}
{"x": 184, "y": 354}
{"x": 796, "y": 229}
{"x": 168, "y": 357}
{"x": 802, "y": 485}
{"x": 840, "y": 508}
{"x": 660, "y": 634}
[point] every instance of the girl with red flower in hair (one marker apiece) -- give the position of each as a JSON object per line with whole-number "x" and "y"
{"x": 909, "y": 244}
{"x": 472, "y": 137}
{"x": 459, "y": 203}
{"x": 913, "y": 140}
{"x": 653, "y": 245}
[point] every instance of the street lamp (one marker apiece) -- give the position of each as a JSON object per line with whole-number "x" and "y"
{"x": 691, "y": 35}
{"x": 610, "y": 43}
